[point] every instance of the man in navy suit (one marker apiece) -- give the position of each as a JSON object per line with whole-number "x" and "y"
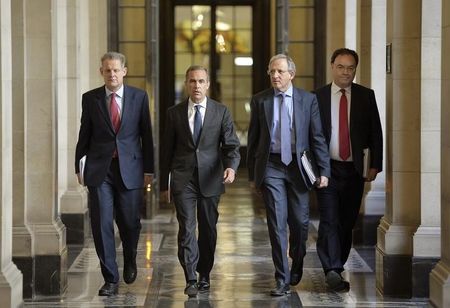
{"x": 116, "y": 138}
{"x": 285, "y": 122}
{"x": 201, "y": 153}
{"x": 351, "y": 124}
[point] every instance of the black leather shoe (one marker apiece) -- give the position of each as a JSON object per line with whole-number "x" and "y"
{"x": 295, "y": 278}
{"x": 109, "y": 289}
{"x": 129, "y": 272}
{"x": 191, "y": 289}
{"x": 203, "y": 284}
{"x": 281, "y": 289}
{"x": 296, "y": 272}
{"x": 336, "y": 283}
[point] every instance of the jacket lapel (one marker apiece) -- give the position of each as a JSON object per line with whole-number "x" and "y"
{"x": 353, "y": 107}
{"x": 209, "y": 118}
{"x": 298, "y": 114}
{"x": 327, "y": 111}
{"x": 102, "y": 106}
{"x": 185, "y": 120}
{"x": 268, "y": 110}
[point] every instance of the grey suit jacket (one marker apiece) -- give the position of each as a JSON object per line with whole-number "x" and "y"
{"x": 97, "y": 138}
{"x": 218, "y": 148}
{"x": 308, "y": 133}
{"x": 365, "y": 125}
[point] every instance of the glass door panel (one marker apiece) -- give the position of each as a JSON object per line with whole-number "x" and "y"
{"x": 230, "y": 61}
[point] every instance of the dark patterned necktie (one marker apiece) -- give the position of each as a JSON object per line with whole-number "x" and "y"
{"x": 197, "y": 124}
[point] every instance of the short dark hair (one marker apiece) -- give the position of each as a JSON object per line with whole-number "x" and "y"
{"x": 344, "y": 51}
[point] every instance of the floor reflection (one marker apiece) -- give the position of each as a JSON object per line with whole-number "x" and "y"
{"x": 242, "y": 276}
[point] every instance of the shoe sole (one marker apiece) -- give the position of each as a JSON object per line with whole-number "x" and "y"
{"x": 191, "y": 293}
{"x": 280, "y": 294}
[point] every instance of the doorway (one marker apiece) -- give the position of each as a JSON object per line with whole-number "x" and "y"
{"x": 230, "y": 38}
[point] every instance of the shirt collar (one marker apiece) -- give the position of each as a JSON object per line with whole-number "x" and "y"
{"x": 335, "y": 89}
{"x": 287, "y": 93}
{"x": 202, "y": 103}
{"x": 119, "y": 92}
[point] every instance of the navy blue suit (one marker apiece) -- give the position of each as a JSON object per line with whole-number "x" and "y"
{"x": 285, "y": 188}
{"x": 115, "y": 184}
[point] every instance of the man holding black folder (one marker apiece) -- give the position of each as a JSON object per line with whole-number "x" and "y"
{"x": 284, "y": 123}
{"x": 352, "y": 128}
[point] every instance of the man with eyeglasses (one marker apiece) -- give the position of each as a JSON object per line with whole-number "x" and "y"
{"x": 284, "y": 122}
{"x": 352, "y": 129}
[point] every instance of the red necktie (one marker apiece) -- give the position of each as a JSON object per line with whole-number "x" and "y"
{"x": 115, "y": 115}
{"x": 344, "y": 138}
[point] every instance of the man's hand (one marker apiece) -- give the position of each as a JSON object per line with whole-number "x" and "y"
{"x": 228, "y": 176}
{"x": 371, "y": 174}
{"x": 323, "y": 182}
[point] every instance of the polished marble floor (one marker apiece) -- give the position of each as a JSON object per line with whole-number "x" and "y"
{"x": 242, "y": 275}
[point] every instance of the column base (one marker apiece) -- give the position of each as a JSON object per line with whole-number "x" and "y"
{"x": 421, "y": 268}
{"x": 77, "y": 227}
{"x": 365, "y": 230}
{"x": 11, "y": 286}
{"x": 394, "y": 274}
{"x": 51, "y": 274}
{"x": 440, "y": 285}
{"x": 26, "y": 265}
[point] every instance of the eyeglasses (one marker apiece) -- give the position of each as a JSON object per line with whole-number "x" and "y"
{"x": 272, "y": 72}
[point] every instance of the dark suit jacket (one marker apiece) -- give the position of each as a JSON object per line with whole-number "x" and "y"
{"x": 308, "y": 132}
{"x": 98, "y": 140}
{"x": 365, "y": 126}
{"x": 218, "y": 148}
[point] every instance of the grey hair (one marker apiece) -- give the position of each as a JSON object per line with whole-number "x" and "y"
{"x": 113, "y": 55}
{"x": 290, "y": 63}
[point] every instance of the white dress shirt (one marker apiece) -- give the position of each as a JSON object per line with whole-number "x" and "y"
{"x": 191, "y": 112}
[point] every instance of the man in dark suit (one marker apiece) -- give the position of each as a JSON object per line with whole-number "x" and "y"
{"x": 351, "y": 124}
{"x": 285, "y": 122}
{"x": 116, "y": 138}
{"x": 201, "y": 152}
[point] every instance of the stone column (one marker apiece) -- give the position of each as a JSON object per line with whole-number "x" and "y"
{"x": 402, "y": 214}
{"x": 41, "y": 168}
{"x": 440, "y": 275}
{"x": 427, "y": 247}
{"x": 373, "y": 75}
{"x": 22, "y": 239}
{"x": 335, "y": 30}
{"x": 353, "y": 24}
{"x": 73, "y": 200}
{"x": 10, "y": 276}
